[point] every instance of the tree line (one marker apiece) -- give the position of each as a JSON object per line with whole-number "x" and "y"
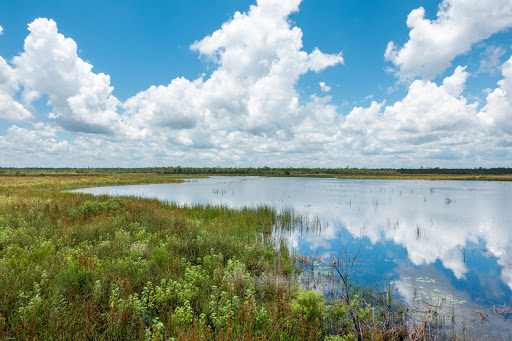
{"x": 268, "y": 171}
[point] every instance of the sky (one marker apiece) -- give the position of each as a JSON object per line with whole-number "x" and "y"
{"x": 239, "y": 83}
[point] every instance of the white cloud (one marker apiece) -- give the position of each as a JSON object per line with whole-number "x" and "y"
{"x": 248, "y": 111}
{"x": 486, "y": 91}
{"x": 82, "y": 100}
{"x": 260, "y": 58}
{"x": 433, "y": 124}
{"x": 497, "y": 114}
{"x": 368, "y": 97}
{"x": 491, "y": 58}
{"x": 428, "y": 122}
{"x": 35, "y": 146}
{"x": 324, "y": 87}
{"x": 249, "y": 104}
{"x": 10, "y": 109}
{"x": 319, "y": 61}
{"x": 1, "y": 30}
{"x": 21, "y": 147}
{"x": 433, "y": 44}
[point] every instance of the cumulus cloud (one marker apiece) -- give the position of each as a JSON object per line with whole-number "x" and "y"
{"x": 318, "y": 61}
{"x": 248, "y": 104}
{"x": 248, "y": 110}
{"x": 496, "y": 115}
{"x": 10, "y": 109}
{"x": 430, "y": 116}
{"x": 21, "y": 147}
{"x": 1, "y": 30}
{"x": 260, "y": 58}
{"x": 433, "y": 123}
{"x": 433, "y": 44}
{"x": 82, "y": 100}
{"x": 324, "y": 87}
{"x": 38, "y": 145}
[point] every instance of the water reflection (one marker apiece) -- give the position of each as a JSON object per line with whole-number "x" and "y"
{"x": 457, "y": 233}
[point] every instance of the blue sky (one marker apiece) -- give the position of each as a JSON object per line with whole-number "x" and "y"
{"x": 279, "y": 83}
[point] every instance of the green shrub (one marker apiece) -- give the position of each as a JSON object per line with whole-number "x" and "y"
{"x": 75, "y": 280}
{"x": 91, "y": 208}
{"x": 309, "y": 304}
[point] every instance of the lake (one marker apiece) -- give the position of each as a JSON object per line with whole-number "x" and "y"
{"x": 437, "y": 244}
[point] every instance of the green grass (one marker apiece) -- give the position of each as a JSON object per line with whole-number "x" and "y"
{"x": 75, "y": 266}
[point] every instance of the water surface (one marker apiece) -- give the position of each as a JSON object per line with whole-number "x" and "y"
{"x": 441, "y": 243}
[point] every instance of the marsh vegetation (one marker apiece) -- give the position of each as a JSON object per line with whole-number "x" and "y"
{"x": 75, "y": 266}
{"x": 80, "y": 266}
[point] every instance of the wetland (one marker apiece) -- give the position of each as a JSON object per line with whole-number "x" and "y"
{"x": 444, "y": 244}
{"x": 144, "y": 256}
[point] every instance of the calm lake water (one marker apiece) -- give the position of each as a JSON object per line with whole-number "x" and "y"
{"x": 446, "y": 244}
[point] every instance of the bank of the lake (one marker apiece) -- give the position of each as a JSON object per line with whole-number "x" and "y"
{"x": 76, "y": 266}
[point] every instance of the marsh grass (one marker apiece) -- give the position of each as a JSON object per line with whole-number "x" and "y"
{"x": 75, "y": 266}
